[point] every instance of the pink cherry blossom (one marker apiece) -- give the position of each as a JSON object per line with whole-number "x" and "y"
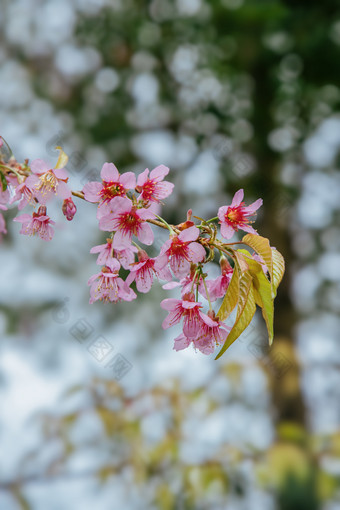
{"x": 126, "y": 220}
{"x": 24, "y": 194}
{"x": 212, "y": 332}
{"x": 37, "y": 224}
{"x": 152, "y": 188}
{"x": 186, "y": 309}
{"x": 108, "y": 286}
{"x": 144, "y": 271}
{"x": 218, "y": 287}
{"x": 237, "y": 216}
{"x": 113, "y": 185}
{"x": 46, "y": 182}
{"x": 181, "y": 251}
{"x": 69, "y": 209}
{"x": 107, "y": 254}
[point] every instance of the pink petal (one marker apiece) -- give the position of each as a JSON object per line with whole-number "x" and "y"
{"x": 145, "y": 234}
{"x": 189, "y": 234}
{"x": 39, "y": 166}
{"x": 158, "y": 173}
{"x": 128, "y": 179}
{"x": 98, "y": 248}
{"x": 227, "y": 231}
{"x": 63, "y": 191}
{"x": 109, "y": 173}
{"x": 23, "y": 218}
{"x": 170, "y": 304}
{"x": 238, "y": 197}
{"x": 143, "y": 177}
{"x": 181, "y": 342}
{"x": 144, "y": 281}
{"x": 121, "y": 241}
{"x": 92, "y": 191}
{"x": 197, "y": 252}
{"x": 222, "y": 212}
{"x": 254, "y": 206}
{"x": 60, "y": 173}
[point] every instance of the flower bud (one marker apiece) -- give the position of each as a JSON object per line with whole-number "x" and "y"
{"x": 69, "y": 209}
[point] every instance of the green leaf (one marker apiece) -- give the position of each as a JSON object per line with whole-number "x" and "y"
{"x": 3, "y": 181}
{"x": 245, "y": 311}
{"x": 278, "y": 269}
{"x": 230, "y": 299}
{"x": 262, "y": 247}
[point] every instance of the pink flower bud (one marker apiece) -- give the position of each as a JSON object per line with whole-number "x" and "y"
{"x": 69, "y": 209}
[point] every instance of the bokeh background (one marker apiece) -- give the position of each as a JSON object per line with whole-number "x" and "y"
{"x": 229, "y": 94}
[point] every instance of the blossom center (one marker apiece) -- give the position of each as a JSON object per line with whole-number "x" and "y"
{"x": 235, "y": 215}
{"x": 112, "y": 189}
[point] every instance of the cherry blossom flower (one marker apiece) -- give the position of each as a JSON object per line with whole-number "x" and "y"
{"x": 237, "y": 216}
{"x": 46, "y": 182}
{"x": 108, "y": 286}
{"x": 127, "y": 221}
{"x": 69, "y": 209}
{"x": 186, "y": 308}
{"x": 218, "y": 287}
{"x": 113, "y": 185}
{"x": 152, "y": 188}
{"x": 144, "y": 271}
{"x": 37, "y": 224}
{"x": 181, "y": 251}
{"x": 107, "y": 254}
{"x": 23, "y": 193}
{"x": 212, "y": 332}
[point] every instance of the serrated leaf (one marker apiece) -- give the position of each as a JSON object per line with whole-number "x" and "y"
{"x": 262, "y": 247}
{"x": 230, "y": 299}
{"x": 63, "y": 158}
{"x": 3, "y": 181}
{"x": 245, "y": 311}
{"x": 278, "y": 269}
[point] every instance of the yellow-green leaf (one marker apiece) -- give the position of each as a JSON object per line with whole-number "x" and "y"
{"x": 230, "y": 300}
{"x": 278, "y": 269}
{"x": 262, "y": 294}
{"x": 245, "y": 311}
{"x": 63, "y": 158}
{"x": 262, "y": 247}
{"x": 265, "y": 301}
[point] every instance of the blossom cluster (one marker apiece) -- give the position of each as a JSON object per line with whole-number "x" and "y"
{"x": 127, "y": 210}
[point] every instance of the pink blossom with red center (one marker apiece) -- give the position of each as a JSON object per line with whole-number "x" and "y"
{"x": 108, "y": 286}
{"x": 218, "y": 287}
{"x": 113, "y": 185}
{"x": 237, "y": 216}
{"x": 187, "y": 309}
{"x": 143, "y": 272}
{"x": 107, "y": 254}
{"x": 126, "y": 220}
{"x": 212, "y": 332}
{"x": 46, "y": 182}
{"x": 152, "y": 188}
{"x": 69, "y": 209}
{"x": 37, "y": 224}
{"x": 181, "y": 251}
